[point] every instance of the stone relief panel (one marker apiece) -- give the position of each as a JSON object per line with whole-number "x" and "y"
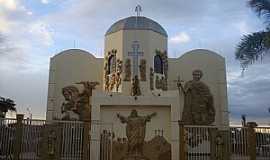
{"x": 157, "y": 148}
{"x": 112, "y": 72}
{"x": 127, "y": 70}
{"x": 143, "y": 69}
{"x": 77, "y": 104}
{"x": 135, "y": 146}
{"x": 111, "y": 68}
{"x": 198, "y": 102}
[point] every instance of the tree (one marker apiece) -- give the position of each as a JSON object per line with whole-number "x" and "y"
{"x": 254, "y": 46}
{"x": 6, "y": 105}
{"x": 243, "y": 117}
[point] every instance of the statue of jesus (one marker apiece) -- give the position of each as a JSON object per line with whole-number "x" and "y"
{"x": 135, "y": 131}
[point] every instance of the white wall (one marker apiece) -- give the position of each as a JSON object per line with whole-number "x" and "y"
{"x": 67, "y": 68}
{"x": 214, "y": 75}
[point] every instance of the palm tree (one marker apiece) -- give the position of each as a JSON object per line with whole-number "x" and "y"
{"x": 243, "y": 117}
{"x": 5, "y": 106}
{"x": 254, "y": 46}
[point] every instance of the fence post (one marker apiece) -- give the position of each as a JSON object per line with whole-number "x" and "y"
{"x": 213, "y": 134}
{"x": 182, "y": 144}
{"x": 86, "y": 140}
{"x": 225, "y": 143}
{"x": 18, "y": 136}
{"x": 251, "y": 142}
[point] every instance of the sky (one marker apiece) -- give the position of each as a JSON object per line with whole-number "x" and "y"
{"x": 32, "y": 31}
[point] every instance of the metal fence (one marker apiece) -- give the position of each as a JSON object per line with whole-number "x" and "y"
{"x": 198, "y": 142}
{"x": 23, "y": 139}
{"x": 234, "y": 143}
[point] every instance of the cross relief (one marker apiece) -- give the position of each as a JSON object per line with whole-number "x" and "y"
{"x": 135, "y": 54}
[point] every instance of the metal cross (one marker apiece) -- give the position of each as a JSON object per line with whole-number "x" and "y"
{"x": 179, "y": 84}
{"x": 138, "y": 10}
{"x": 135, "y": 55}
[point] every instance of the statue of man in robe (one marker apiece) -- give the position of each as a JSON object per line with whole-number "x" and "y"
{"x": 198, "y": 103}
{"x": 135, "y": 86}
{"x": 135, "y": 131}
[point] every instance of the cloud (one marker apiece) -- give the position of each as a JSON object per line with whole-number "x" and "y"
{"x": 44, "y": 1}
{"x": 249, "y": 94}
{"x": 41, "y": 32}
{"x": 9, "y": 4}
{"x": 243, "y": 27}
{"x": 180, "y": 38}
{"x": 29, "y": 39}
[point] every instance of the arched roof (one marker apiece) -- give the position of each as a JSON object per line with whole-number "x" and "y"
{"x": 137, "y": 23}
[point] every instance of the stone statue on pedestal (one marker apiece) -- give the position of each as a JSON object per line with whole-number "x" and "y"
{"x": 135, "y": 131}
{"x": 198, "y": 103}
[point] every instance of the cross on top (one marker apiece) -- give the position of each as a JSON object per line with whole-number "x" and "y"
{"x": 135, "y": 56}
{"x": 138, "y": 10}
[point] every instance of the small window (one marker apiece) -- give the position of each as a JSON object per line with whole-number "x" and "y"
{"x": 158, "y": 64}
{"x": 111, "y": 63}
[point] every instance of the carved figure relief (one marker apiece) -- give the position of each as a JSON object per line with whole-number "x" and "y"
{"x": 219, "y": 147}
{"x": 111, "y": 67}
{"x": 135, "y": 132}
{"x": 112, "y": 82}
{"x": 157, "y": 148}
{"x": 127, "y": 70}
{"x": 135, "y": 86}
{"x": 151, "y": 78}
{"x": 161, "y": 83}
{"x": 119, "y": 65}
{"x": 77, "y": 105}
{"x": 143, "y": 69}
{"x": 70, "y": 110}
{"x": 107, "y": 83}
{"x": 50, "y": 143}
{"x": 158, "y": 83}
{"x": 117, "y": 81}
{"x": 198, "y": 102}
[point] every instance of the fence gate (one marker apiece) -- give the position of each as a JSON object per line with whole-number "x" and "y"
{"x": 54, "y": 140}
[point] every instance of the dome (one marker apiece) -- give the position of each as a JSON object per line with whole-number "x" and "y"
{"x": 143, "y": 23}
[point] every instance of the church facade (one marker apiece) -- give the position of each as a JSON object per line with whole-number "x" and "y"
{"x": 137, "y": 87}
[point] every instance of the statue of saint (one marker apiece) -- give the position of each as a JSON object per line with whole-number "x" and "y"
{"x": 77, "y": 105}
{"x": 198, "y": 103}
{"x": 135, "y": 86}
{"x": 135, "y": 131}
{"x": 69, "y": 108}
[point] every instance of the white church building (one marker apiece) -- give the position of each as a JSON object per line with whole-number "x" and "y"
{"x": 137, "y": 74}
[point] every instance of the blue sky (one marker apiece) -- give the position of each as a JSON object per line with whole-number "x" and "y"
{"x": 32, "y": 31}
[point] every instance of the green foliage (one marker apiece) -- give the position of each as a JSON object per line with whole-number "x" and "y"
{"x": 262, "y": 8}
{"x": 7, "y": 105}
{"x": 253, "y": 47}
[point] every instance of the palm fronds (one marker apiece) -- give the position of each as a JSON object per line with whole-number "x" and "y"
{"x": 252, "y": 47}
{"x": 262, "y": 8}
{"x": 7, "y": 105}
